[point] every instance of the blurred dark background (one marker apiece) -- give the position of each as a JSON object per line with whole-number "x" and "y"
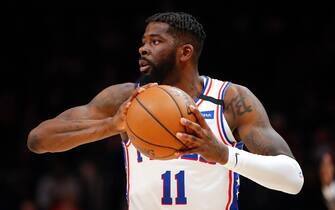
{"x": 56, "y": 56}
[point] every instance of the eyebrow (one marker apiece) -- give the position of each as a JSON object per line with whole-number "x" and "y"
{"x": 153, "y": 35}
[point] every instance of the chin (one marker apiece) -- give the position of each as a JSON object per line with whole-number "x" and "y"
{"x": 146, "y": 78}
{"x": 148, "y": 73}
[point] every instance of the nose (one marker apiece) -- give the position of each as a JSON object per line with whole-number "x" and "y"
{"x": 143, "y": 50}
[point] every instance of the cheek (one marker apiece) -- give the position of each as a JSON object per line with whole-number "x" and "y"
{"x": 163, "y": 50}
{"x": 162, "y": 54}
{"x": 159, "y": 56}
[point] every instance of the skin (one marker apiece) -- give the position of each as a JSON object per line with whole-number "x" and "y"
{"x": 104, "y": 115}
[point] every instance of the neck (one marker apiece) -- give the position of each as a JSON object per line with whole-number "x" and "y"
{"x": 187, "y": 80}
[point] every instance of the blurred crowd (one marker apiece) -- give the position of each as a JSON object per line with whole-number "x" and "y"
{"x": 60, "y": 60}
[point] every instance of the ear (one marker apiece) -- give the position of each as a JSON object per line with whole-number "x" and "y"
{"x": 186, "y": 52}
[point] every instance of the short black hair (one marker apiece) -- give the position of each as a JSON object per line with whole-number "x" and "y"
{"x": 184, "y": 27}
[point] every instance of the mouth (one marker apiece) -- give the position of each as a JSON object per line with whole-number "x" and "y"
{"x": 144, "y": 66}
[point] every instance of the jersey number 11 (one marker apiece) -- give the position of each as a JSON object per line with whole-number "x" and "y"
{"x": 180, "y": 178}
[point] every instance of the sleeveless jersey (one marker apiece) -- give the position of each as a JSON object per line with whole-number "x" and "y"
{"x": 190, "y": 182}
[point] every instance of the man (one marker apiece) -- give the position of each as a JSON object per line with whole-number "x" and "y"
{"x": 206, "y": 176}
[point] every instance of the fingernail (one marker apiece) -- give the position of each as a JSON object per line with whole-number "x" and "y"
{"x": 179, "y": 135}
{"x": 192, "y": 107}
{"x": 183, "y": 121}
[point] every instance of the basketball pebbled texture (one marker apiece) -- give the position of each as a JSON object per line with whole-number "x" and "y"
{"x": 153, "y": 119}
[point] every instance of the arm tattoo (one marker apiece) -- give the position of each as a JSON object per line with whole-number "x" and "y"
{"x": 253, "y": 143}
{"x": 238, "y": 106}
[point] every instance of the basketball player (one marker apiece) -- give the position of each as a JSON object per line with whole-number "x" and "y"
{"x": 206, "y": 176}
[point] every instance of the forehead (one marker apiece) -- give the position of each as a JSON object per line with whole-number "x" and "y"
{"x": 157, "y": 28}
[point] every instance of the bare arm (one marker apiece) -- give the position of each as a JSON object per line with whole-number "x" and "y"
{"x": 247, "y": 118}
{"x": 252, "y": 123}
{"x": 269, "y": 163}
{"x": 83, "y": 124}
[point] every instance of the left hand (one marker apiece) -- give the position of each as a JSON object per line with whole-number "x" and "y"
{"x": 202, "y": 140}
{"x": 120, "y": 117}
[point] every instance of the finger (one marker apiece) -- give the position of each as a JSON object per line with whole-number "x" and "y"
{"x": 199, "y": 117}
{"x": 151, "y": 84}
{"x": 133, "y": 95}
{"x": 189, "y": 140}
{"x": 137, "y": 91}
{"x": 194, "y": 150}
{"x": 193, "y": 126}
{"x": 142, "y": 88}
{"x": 131, "y": 98}
{"x": 127, "y": 105}
{"x": 123, "y": 109}
{"x": 189, "y": 144}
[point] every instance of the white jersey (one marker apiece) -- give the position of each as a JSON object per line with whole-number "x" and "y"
{"x": 189, "y": 182}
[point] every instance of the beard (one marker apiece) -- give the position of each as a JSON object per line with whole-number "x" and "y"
{"x": 159, "y": 71}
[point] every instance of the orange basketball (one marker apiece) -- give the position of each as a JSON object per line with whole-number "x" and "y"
{"x": 153, "y": 119}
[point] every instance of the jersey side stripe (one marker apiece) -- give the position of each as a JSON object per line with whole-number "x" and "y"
{"x": 239, "y": 145}
{"x": 230, "y": 186}
{"x": 223, "y": 129}
{"x": 125, "y": 158}
{"x": 128, "y": 172}
{"x": 218, "y": 118}
{"x": 231, "y": 194}
{"x": 234, "y": 205}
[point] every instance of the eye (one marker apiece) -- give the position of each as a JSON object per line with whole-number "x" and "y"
{"x": 155, "y": 42}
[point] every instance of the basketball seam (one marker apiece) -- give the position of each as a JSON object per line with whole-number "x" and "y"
{"x": 180, "y": 112}
{"x": 159, "y": 122}
{"x": 147, "y": 141}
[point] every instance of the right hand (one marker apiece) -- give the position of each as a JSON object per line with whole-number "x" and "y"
{"x": 120, "y": 116}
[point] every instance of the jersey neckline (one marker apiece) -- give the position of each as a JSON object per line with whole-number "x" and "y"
{"x": 206, "y": 87}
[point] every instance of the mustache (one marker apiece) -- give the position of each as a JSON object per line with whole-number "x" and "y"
{"x": 147, "y": 60}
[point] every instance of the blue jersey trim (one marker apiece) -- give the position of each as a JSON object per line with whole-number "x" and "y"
{"x": 221, "y": 117}
{"x": 236, "y": 188}
{"x": 234, "y": 203}
{"x": 203, "y": 89}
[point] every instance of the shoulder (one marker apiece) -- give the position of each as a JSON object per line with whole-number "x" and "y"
{"x": 236, "y": 90}
{"x": 109, "y": 99}
{"x": 241, "y": 105}
{"x": 116, "y": 91}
